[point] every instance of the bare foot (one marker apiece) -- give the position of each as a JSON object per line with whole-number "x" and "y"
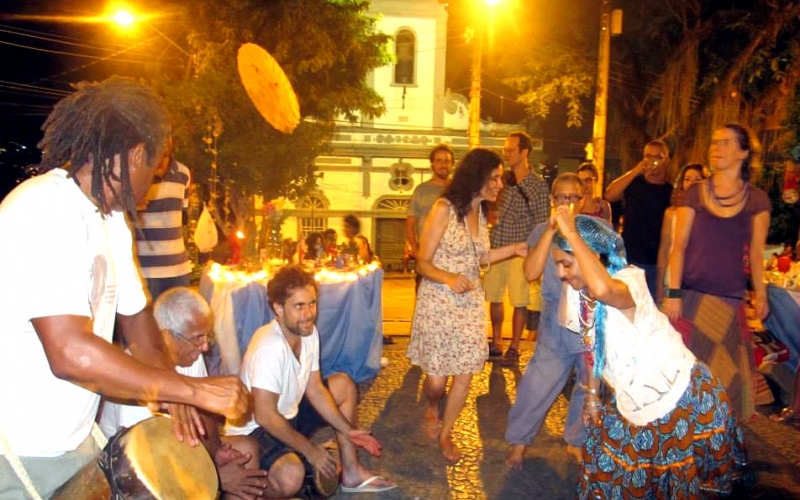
{"x": 449, "y": 451}
{"x": 432, "y": 424}
{"x": 432, "y": 428}
{"x": 514, "y": 460}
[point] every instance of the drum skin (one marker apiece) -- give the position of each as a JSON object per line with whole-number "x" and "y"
{"x": 146, "y": 461}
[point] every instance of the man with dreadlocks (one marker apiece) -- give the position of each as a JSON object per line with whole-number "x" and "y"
{"x": 69, "y": 278}
{"x": 659, "y": 423}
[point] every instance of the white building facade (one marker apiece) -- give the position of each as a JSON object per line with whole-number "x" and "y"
{"x": 374, "y": 165}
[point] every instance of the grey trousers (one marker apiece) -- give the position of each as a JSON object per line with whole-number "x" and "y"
{"x": 545, "y": 377}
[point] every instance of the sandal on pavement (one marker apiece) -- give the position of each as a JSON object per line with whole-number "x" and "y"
{"x": 368, "y": 487}
{"x": 788, "y": 417}
{"x": 511, "y": 357}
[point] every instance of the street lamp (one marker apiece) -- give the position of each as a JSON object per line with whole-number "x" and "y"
{"x": 474, "y": 126}
{"x": 126, "y": 19}
{"x": 123, "y": 18}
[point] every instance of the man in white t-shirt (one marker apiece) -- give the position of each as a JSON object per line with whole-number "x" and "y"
{"x": 185, "y": 320}
{"x": 291, "y": 401}
{"x": 68, "y": 279}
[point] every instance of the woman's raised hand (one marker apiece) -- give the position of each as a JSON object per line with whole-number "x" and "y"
{"x": 564, "y": 219}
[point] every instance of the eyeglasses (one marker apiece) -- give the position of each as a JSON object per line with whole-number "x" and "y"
{"x": 587, "y": 179}
{"x": 197, "y": 341}
{"x": 655, "y": 157}
{"x": 567, "y": 198}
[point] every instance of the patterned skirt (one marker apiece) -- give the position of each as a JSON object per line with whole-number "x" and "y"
{"x": 715, "y": 330}
{"x": 695, "y": 451}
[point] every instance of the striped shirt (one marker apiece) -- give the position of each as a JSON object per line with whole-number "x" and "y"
{"x": 159, "y": 228}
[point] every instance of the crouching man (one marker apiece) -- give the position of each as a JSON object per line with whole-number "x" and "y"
{"x": 290, "y": 400}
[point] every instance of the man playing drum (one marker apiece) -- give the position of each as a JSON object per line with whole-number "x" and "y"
{"x": 185, "y": 320}
{"x": 291, "y": 400}
{"x": 68, "y": 278}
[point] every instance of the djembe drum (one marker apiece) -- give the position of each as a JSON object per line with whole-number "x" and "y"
{"x": 144, "y": 462}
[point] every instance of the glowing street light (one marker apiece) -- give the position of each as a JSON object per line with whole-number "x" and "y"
{"x": 126, "y": 19}
{"x": 474, "y": 126}
{"x": 123, "y": 18}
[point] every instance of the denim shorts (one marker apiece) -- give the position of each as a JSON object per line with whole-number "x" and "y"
{"x": 306, "y": 422}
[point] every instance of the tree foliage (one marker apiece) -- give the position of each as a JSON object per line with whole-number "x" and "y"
{"x": 680, "y": 69}
{"x": 557, "y": 63}
{"x": 325, "y": 47}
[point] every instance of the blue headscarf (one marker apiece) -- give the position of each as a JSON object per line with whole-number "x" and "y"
{"x": 603, "y": 240}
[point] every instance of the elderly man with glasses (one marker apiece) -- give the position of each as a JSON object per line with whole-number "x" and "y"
{"x": 185, "y": 321}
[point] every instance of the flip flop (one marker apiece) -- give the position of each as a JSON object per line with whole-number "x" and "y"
{"x": 366, "y": 486}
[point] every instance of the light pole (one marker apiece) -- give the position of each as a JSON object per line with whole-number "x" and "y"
{"x": 610, "y": 24}
{"x": 474, "y": 126}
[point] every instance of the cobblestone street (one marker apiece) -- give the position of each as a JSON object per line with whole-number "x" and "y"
{"x": 392, "y": 407}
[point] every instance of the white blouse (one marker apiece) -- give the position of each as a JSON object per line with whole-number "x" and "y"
{"x": 646, "y": 363}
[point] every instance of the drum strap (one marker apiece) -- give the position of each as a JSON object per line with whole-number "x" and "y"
{"x": 19, "y": 469}
{"x": 13, "y": 460}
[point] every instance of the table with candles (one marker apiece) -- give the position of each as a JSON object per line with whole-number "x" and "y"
{"x": 349, "y": 316}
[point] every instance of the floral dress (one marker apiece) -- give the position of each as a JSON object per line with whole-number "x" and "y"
{"x": 448, "y": 334}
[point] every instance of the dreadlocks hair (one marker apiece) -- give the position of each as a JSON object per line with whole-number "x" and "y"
{"x": 98, "y": 122}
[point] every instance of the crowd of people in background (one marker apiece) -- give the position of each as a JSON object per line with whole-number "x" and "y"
{"x": 660, "y": 389}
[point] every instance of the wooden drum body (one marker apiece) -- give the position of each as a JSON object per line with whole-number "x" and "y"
{"x": 145, "y": 462}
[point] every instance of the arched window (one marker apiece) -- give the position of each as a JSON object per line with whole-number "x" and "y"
{"x": 405, "y": 48}
{"x": 316, "y": 222}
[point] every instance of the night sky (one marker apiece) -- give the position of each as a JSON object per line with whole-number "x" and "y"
{"x": 42, "y": 55}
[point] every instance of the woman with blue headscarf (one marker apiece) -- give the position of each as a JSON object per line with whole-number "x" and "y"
{"x": 659, "y": 423}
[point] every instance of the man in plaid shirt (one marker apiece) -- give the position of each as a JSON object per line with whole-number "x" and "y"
{"x": 523, "y": 203}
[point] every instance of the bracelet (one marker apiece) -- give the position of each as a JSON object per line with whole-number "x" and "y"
{"x": 589, "y": 390}
{"x": 673, "y": 293}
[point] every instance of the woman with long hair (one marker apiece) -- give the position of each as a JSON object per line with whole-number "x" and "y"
{"x": 721, "y": 223}
{"x": 689, "y": 174}
{"x": 448, "y": 334}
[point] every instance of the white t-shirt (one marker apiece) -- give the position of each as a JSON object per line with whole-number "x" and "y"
{"x": 59, "y": 256}
{"x": 114, "y": 416}
{"x": 647, "y": 363}
{"x": 270, "y": 364}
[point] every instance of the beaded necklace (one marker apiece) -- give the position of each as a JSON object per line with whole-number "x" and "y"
{"x": 586, "y": 319}
{"x": 743, "y": 191}
{"x": 482, "y": 268}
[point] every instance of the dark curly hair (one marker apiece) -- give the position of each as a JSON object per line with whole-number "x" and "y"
{"x": 96, "y": 123}
{"x": 286, "y": 281}
{"x": 471, "y": 174}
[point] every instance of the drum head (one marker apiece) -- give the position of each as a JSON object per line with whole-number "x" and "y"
{"x": 170, "y": 469}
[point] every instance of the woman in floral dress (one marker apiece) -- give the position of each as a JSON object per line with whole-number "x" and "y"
{"x": 448, "y": 336}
